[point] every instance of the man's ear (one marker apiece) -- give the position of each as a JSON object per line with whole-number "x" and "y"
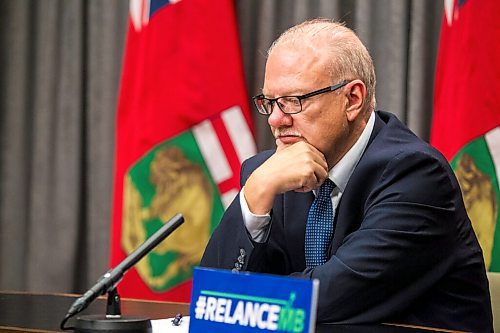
{"x": 355, "y": 93}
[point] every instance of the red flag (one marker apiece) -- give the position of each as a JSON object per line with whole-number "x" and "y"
{"x": 466, "y": 124}
{"x": 183, "y": 129}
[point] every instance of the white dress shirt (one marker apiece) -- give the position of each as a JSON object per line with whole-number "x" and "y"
{"x": 257, "y": 225}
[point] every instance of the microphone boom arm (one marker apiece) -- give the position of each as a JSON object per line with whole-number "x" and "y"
{"x": 111, "y": 278}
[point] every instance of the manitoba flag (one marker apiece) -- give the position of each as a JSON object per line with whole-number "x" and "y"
{"x": 183, "y": 129}
{"x": 466, "y": 124}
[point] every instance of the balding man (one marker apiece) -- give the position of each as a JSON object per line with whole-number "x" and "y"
{"x": 351, "y": 197}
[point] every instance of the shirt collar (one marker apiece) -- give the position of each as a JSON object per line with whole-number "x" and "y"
{"x": 341, "y": 172}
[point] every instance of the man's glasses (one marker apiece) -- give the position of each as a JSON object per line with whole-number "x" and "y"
{"x": 290, "y": 104}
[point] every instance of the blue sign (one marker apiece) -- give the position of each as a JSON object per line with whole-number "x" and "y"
{"x": 223, "y": 301}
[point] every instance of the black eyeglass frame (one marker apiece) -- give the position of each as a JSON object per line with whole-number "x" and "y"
{"x": 271, "y": 101}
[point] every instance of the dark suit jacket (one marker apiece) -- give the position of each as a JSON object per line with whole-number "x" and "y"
{"x": 403, "y": 250}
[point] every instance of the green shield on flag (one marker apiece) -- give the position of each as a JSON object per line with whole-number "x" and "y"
{"x": 171, "y": 178}
{"x": 475, "y": 168}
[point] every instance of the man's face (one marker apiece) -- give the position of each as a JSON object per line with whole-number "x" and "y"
{"x": 322, "y": 122}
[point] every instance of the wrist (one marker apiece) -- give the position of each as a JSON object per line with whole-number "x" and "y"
{"x": 259, "y": 195}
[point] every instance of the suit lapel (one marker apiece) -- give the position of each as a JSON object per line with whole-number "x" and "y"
{"x": 348, "y": 213}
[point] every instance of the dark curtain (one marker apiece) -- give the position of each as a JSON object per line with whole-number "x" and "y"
{"x": 60, "y": 64}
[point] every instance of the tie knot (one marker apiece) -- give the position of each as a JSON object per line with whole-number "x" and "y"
{"x": 326, "y": 188}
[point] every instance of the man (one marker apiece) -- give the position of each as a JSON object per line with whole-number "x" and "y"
{"x": 392, "y": 241}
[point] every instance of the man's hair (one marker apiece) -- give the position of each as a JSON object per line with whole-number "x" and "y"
{"x": 349, "y": 57}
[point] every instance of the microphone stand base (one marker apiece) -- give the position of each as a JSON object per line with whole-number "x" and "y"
{"x": 107, "y": 324}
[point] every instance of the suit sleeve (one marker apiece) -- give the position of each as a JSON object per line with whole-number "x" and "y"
{"x": 231, "y": 246}
{"x": 403, "y": 246}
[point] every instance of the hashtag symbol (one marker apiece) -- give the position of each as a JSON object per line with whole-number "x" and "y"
{"x": 200, "y": 307}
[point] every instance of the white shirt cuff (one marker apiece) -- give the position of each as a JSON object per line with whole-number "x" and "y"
{"x": 257, "y": 225}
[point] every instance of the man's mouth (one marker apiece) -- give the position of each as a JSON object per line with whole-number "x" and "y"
{"x": 287, "y": 136}
{"x": 289, "y": 140}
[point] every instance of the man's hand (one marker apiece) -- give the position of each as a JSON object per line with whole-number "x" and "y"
{"x": 299, "y": 167}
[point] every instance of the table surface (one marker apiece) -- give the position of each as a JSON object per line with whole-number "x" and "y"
{"x": 40, "y": 312}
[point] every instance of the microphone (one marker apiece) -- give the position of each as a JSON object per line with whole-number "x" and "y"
{"x": 110, "y": 279}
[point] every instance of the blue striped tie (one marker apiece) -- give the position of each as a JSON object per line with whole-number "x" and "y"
{"x": 319, "y": 227}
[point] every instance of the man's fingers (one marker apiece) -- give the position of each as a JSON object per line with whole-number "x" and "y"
{"x": 299, "y": 167}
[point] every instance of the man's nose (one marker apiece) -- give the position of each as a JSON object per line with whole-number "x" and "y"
{"x": 278, "y": 118}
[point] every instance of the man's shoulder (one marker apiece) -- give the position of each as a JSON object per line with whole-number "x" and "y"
{"x": 395, "y": 137}
{"x": 396, "y": 151}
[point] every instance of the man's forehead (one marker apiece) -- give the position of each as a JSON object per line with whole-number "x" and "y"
{"x": 298, "y": 70}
